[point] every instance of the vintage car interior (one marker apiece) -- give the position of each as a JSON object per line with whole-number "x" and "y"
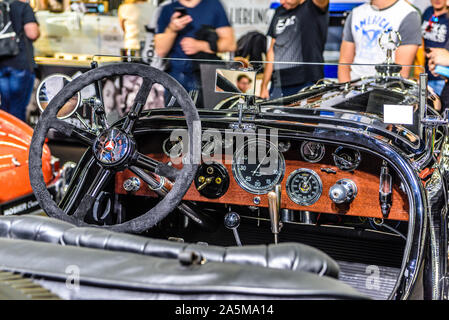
{"x": 336, "y": 192}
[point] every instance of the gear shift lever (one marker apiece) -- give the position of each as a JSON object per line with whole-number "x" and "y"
{"x": 274, "y": 207}
{"x": 232, "y": 221}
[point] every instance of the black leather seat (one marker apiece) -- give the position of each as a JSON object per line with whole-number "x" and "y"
{"x": 85, "y": 273}
{"x": 290, "y": 256}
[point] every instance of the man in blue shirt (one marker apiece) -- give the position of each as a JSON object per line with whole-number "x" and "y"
{"x": 440, "y": 57}
{"x": 435, "y": 28}
{"x": 176, "y": 36}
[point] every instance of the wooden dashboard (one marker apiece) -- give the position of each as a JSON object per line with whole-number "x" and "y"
{"x": 365, "y": 204}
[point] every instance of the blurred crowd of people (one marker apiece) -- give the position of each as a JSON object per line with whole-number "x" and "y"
{"x": 298, "y": 32}
{"x": 187, "y": 31}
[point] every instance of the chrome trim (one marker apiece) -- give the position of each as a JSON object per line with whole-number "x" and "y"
{"x": 158, "y": 186}
{"x": 299, "y": 120}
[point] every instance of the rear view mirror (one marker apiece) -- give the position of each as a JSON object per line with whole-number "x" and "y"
{"x": 49, "y": 88}
{"x": 235, "y": 81}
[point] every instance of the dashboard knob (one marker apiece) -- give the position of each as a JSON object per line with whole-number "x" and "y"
{"x": 232, "y": 220}
{"x": 337, "y": 193}
{"x": 132, "y": 184}
{"x": 343, "y": 191}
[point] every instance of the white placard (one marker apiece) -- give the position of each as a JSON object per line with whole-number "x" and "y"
{"x": 398, "y": 114}
{"x": 249, "y": 15}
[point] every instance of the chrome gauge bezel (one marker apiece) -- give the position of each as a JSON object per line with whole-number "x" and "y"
{"x": 291, "y": 194}
{"x": 243, "y": 183}
{"x": 357, "y": 159}
{"x": 305, "y": 157}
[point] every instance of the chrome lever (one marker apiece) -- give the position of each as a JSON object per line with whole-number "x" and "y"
{"x": 232, "y": 221}
{"x": 274, "y": 207}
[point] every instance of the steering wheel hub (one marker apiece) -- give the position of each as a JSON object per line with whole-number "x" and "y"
{"x": 112, "y": 147}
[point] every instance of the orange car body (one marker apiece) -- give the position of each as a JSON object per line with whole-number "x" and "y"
{"x": 15, "y": 139}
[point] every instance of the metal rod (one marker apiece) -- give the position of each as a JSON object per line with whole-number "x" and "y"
{"x": 237, "y": 237}
{"x": 422, "y": 98}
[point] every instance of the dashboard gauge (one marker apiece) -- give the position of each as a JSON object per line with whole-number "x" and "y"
{"x": 284, "y": 146}
{"x": 172, "y": 148}
{"x": 212, "y": 180}
{"x": 257, "y": 172}
{"x": 346, "y": 158}
{"x": 312, "y": 151}
{"x": 304, "y": 187}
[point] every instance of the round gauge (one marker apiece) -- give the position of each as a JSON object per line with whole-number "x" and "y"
{"x": 257, "y": 169}
{"x": 284, "y": 146}
{"x": 172, "y": 148}
{"x": 304, "y": 187}
{"x": 312, "y": 151}
{"x": 346, "y": 158}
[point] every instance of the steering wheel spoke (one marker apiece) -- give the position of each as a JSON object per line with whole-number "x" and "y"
{"x": 71, "y": 131}
{"x": 156, "y": 183}
{"x": 100, "y": 181}
{"x": 161, "y": 169}
{"x": 139, "y": 103}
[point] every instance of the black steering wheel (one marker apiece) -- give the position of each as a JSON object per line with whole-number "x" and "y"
{"x": 104, "y": 142}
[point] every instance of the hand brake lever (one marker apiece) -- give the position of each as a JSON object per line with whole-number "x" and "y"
{"x": 274, "y": 207}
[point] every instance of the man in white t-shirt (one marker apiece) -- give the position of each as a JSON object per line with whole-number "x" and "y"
{"x": 362, "y": 30}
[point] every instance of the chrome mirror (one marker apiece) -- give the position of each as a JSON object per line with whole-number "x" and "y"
{"x": 235, "y": 81}
{"x": 49, "y": 88}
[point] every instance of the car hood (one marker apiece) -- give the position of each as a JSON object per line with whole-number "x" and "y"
{"x": 15, "y": 140}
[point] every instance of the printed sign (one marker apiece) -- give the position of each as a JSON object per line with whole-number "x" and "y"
{"x": 249, "y": 15}
{"x": 398, "y": 114}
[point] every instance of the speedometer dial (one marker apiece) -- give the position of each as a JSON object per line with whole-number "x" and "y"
{"x": 304, "y": 187}
{"x": 258, "y": 168}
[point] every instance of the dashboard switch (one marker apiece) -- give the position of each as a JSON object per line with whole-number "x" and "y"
{"x": 132, "y": 184}
{"x": 212, "y": 180}
{"x": 343, "y": 191}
